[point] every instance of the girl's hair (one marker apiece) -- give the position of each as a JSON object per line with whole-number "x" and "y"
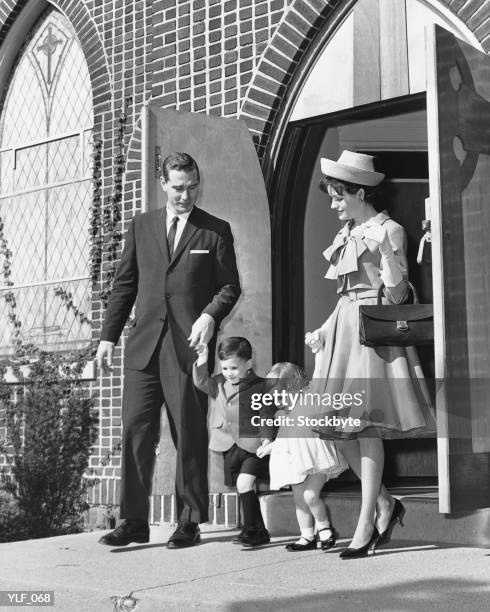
{"x": 291, "y": 376}
{"x": 343, "y": 187}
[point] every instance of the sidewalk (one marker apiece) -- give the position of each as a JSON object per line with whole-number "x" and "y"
{"x": 220, "y": 576}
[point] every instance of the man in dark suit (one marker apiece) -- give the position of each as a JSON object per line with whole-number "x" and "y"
{"x": 179, "y": 265}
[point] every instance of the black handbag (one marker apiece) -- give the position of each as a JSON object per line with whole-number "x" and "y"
{"x": 396, "y": 324}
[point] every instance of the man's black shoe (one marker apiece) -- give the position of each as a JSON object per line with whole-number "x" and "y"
{"x": 186, "y": 534}
{"x": 130, "y": 530}
{"x": 238, "y": 538}
{"x": 255, "y": 537}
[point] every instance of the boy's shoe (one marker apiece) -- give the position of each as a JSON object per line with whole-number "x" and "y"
{"x": 186, "y": 534}
{"x": 128, "y": 531}
{"x": 255, "y": 537}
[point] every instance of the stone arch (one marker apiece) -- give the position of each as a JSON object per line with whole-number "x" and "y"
{"x": 271, "y": 83}
{"x": 276, "y": 76}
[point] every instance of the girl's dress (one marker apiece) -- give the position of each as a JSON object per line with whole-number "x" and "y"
{"x": 393, "y": 400}
{"x": 294, "y": 458}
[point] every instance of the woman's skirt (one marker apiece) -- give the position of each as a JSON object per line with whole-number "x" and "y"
{"x": 372, "y": 391}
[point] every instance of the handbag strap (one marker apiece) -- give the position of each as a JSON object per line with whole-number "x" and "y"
{"x": 412, "y": 287}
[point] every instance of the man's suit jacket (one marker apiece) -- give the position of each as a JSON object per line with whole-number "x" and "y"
{"x": 201, "y": 277}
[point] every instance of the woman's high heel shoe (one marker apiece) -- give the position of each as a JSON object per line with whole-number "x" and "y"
{"x": 331, "y": 541}
{"x": 396, "y": 517}
{"x": 354, "y": 553}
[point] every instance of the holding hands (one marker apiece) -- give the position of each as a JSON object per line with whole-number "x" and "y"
{"x": 202, "y": 330}
{"x": 264, "y": 449}
{"x": 202, "y": 350}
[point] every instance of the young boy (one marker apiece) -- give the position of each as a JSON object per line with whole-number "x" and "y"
{"x": 232, "y": 429}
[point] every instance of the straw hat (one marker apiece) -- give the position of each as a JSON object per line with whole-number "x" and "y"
{"x": 352, "y": 167}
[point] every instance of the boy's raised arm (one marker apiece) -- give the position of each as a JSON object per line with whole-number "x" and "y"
{"x": 200, "y": 375}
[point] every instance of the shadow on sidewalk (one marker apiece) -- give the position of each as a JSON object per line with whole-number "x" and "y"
{"x": 450, "y": 595}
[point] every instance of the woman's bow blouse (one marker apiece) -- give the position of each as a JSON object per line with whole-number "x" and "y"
{"x": 356, "y": 263}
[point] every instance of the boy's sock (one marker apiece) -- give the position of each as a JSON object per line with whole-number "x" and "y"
{"x": 252, "y": 517}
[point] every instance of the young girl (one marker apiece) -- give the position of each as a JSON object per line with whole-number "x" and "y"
{"x": 305, "y": 463}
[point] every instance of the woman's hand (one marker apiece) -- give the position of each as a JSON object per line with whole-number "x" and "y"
{"x": 378, "y": 235}
{"x": 315, "y": 340}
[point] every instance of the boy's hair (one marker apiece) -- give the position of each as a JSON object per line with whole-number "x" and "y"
{"x": 235, "y": 346}
{"x": 288, "y": 375}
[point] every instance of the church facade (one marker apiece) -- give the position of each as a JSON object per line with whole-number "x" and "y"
{"x": 96, "y": 93}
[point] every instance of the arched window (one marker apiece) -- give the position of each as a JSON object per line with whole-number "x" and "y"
{"x": 46, "y": 124}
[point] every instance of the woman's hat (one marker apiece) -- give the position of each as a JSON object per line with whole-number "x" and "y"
{"x": 352, "y": 167}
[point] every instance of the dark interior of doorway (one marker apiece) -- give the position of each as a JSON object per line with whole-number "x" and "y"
{"x": 408, "y": 461}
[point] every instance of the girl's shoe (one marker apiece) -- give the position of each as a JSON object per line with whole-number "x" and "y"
{"x": 331, "y": 541}
{"x": 296, "y": 546}
{"x": 396, "y": 517}
{"x": 355, "y": 553}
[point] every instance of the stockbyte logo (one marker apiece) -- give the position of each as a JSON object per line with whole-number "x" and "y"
{"x": 305, "y": 421}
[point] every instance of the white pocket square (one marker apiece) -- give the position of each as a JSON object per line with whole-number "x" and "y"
{"x": 199, "y": 251}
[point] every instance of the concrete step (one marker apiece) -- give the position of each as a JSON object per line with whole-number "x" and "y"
{"x": 422, "y": 521}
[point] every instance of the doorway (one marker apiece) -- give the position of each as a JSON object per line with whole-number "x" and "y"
{"x": 395, "y": 132}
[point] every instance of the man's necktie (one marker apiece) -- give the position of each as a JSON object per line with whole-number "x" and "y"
{"x": 171, "y": 236}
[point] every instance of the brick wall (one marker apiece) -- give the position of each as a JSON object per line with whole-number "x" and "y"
{"x": 227, "y": 58}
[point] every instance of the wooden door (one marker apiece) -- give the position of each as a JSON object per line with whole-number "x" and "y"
{"x": 232, "y": 187}
{"x": 458, "y": 106}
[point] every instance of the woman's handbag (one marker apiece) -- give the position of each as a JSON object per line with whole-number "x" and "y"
{"x": 396, "y": 324}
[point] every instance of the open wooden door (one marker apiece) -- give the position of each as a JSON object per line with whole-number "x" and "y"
{"x": 458, "y": 106}
{"x": 232, "y": 188}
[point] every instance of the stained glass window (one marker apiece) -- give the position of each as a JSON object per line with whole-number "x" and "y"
{"x": 46, "y": 123}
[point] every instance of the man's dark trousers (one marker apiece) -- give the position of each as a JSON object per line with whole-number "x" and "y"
{"x": 144, "y": 393}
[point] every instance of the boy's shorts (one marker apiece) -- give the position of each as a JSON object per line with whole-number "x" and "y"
{"x": 239, "y": 461}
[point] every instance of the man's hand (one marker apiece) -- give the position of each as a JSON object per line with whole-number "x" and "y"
{"x": 315, "y": 340}
{"x": 202, "y": 330}
{"x": 104, "y": 355}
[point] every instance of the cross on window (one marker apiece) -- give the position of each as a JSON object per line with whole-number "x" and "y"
{"x": 48, "y": 47}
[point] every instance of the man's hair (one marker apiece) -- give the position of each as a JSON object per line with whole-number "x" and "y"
{"x": 179, "y": 161}
{"x": 234, "y": 346}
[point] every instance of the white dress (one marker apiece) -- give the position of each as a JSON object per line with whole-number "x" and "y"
{"x": 293, "y": 459}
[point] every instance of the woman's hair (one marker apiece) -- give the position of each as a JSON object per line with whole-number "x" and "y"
{"x": 235, "y": 346}
{"x": 291, "y": 376}
{"x": 343, "y": 187}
